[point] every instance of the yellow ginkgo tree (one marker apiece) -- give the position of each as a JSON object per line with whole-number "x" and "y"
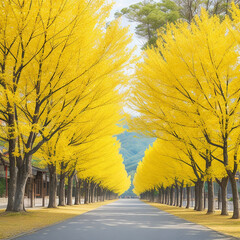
{"x": 192, "y": 76}
{"x": 58, "y": 60}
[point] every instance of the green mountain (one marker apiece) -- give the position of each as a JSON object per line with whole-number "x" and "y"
{"x": 133, "y": 147}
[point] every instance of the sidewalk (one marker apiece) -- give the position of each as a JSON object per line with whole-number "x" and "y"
{"x": 27, "y": 203}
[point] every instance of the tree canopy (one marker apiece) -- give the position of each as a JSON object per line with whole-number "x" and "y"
{"x": 60, "y": 67}
{"x": 186, "y": 92}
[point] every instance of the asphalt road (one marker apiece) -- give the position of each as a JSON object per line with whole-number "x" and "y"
{"x": 125, "y": 219}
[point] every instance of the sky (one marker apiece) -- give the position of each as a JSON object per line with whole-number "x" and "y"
{"x": 119, "y": 4}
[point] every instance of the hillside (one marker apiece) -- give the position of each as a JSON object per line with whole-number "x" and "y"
{"x": 133, "y": 147}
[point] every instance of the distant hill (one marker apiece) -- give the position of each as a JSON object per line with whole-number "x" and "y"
{"x": 133, "y": 147}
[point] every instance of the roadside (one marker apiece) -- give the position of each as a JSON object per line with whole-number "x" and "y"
{"x": 13, "y": 224}
{"x": 222, "y": 224}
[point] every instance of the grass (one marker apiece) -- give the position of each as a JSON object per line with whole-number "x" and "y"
{"x": 13, "y": 224}
{"x": 223, "y": 224}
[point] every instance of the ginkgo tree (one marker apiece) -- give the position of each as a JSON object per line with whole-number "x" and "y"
{"x": 193, "y": 74}
{"x": 58, "y": 60}
{"x": 87, "y": 139}
{"x": 98, "y": 162}
{"x": 164, "y": 167}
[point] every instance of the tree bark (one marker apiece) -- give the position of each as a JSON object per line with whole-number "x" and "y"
{"x": 159, "y": 195}
{"x": 181, "y": 195}
{"x": 96, "y": 193}
{"x": 12, "y": 160}
{"x": 219, "y": 197}
{"x": 211, "y": 207}
{"x": 200, "y": 196}
{"x": 223, "y": 185}
{"x": 196, "y": 195}
{"x": 235, "y": 195}
{"x": 86, "y": 196}
{"x": 77, "y": 195}
{"x": 168, "y": 196}
{"x": 165, "y": 194}
{"x": 162, "y": 195}
{"x": 92, "y": 189}
{"x": 171, "y": 196}
{"x": 152, "y": 195}
{"x": 52, "y": 186}
{"x": 13, "y": 176}
{"x": 177, "y": 195}
{"x": 22, "y": 177}
{"x": 102, "y": 195}
{"x": 188, "y": 197}
{"x": 70, "y": 189}
{"x": 62, "y": 189}
{"x": 24, "y": 169}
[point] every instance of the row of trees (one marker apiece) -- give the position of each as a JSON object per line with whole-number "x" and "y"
{"x": 187, "y": 95}
{"x": 61, "y": 71}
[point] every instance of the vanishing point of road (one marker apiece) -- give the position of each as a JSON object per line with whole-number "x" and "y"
{"x": 125, "y": 219}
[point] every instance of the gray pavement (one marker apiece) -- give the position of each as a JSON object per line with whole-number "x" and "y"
{"x": 125, "y": 219}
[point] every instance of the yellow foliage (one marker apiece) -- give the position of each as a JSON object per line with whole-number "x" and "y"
{"x": 187, "y": 91}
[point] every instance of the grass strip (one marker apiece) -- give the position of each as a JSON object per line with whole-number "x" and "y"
{"x": 13, "y": 224}
{"x": 217, "y": 222}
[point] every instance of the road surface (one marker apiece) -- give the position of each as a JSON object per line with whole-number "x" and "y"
{"x": 125, "y": 219}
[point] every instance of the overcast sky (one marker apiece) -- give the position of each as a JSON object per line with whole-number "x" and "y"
{"x": 119, "y": 4}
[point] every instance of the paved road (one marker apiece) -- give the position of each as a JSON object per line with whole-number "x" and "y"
{"x": 125, "y": 219}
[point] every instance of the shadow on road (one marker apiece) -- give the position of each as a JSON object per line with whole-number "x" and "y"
{"x": 128, "y": 219}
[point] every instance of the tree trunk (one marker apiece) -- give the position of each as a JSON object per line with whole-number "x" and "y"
{"x": 162, "y": 195}
{"x": 224, "y": 197}
{"x": 62, "y": 190}
{"x": 171, "y": 196}
{"x": 196, "y": 195}
{"x": 168, "y": 196}
{"x": 92, "y": 189}
{"x": 235, "y": 195}
{"x": 165, "y": 194}
{"x": 177, "y": 195}
{"x": 223, "y": 185}
{"x": 86, "y": 188}
{"x": 13, "y": 176}
{"x": 211, "y": 207}
{"x": 152, "y": 195}
{"x": 102, "y": 195}
{"x": 159, "y": 195}
{"x": 200, "y": 195}
{"x": 181, "y": 195}
{"x": 188, "y": 197}
{"x": 70, "y": 189}
{"x": 96, "y": 193}
{"x": 12, "y": 162}
{"x": 22, "y": 177}
{"x": 52, "y": 186}
{"x": 219, "y": 197}
{"x": 77, "y": 195}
